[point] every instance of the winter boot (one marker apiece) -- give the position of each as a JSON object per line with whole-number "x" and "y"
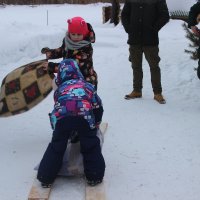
{"x": 46, "y": 185}
{"x": 159, "y": 98}
{"x": 133, "y": 95}
{"x": 93, "y": 183}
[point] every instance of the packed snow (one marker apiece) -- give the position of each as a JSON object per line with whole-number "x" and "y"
{"x": 152, "y": 151}
{"x": 180, "y": 4}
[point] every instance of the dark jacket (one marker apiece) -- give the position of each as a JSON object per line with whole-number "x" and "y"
{"x": 142, "y": 20}
{"x": 194, "y": 11}
{"x": 83, "y": 56}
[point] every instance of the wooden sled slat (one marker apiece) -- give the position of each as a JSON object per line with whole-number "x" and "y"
{"x": 37, "y": 192}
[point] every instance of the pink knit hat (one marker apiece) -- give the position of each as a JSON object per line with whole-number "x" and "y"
{"x": 77, "y": 25}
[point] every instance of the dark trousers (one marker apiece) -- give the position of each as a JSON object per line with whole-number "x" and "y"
{"x": 152, "y": 56}
{"x": 198, "y": 68}
{"x": 94, "y": 165}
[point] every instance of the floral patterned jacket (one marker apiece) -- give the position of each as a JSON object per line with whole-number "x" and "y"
{"x": 82, "y": 55}
{"x": 74, "y": 96}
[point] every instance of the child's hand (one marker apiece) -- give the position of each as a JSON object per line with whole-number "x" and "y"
{"x": 195, "y": 30}
{"x": 46, "y": 51}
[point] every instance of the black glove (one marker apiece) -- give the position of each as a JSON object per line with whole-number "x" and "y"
{"x": 98, "y": 113}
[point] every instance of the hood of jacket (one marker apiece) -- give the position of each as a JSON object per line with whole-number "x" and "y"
{"x": 91, "y": 36}
{"x": 68, "y": 70}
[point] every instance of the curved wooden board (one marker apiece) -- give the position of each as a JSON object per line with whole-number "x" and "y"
{"x": 23, "y": 88}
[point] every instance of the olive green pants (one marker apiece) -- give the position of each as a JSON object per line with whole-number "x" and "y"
{"x": 151, "y": 54}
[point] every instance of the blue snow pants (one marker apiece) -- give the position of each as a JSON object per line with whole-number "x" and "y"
{"x": 93, "y": 161}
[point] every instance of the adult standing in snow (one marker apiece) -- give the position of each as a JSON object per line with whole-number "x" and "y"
{"x": 193, "y": 20}
{"x": 142, "y": 20}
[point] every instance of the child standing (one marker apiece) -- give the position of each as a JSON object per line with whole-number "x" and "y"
{"x": 77, "y": 108}
{"x": 76, "y": 45}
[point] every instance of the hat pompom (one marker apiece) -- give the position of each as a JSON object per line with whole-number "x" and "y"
{"x": 83, "y": 22}
{"x": 69, "y": 21}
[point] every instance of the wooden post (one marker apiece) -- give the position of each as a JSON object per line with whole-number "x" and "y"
{"x": 106, "y": 12}
{"x": 47, "y": 17}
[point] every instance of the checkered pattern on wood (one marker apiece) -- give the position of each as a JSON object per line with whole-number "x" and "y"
{"x": 23, "y": 88}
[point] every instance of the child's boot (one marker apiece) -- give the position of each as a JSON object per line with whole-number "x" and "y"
{"x": 46, "y": 185}
{"x": 93, "y": 182}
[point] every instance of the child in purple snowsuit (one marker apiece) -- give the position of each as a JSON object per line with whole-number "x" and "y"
{"x": 77, "y": 108}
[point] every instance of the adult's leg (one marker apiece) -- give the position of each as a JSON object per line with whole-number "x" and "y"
{"x": 152, "y": 56}
{"x": 136, "y": 60}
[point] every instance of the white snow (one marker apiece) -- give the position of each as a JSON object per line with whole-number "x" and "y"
{"x": 152, "y": 151}
{"x": 180, "y": 4}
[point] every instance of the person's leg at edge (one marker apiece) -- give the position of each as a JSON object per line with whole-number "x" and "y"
{"x": 136, "y": 53}
{"x": 152, "y": 56}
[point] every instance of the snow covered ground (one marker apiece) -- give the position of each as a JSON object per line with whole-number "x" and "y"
{"x": 152, "y": 151}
